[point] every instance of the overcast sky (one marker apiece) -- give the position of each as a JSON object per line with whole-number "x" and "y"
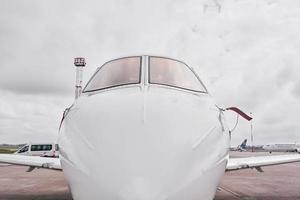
{"x": 246, "y": 51}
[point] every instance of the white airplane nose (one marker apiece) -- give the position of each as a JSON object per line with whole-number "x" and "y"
{"x": 140, "y": 145}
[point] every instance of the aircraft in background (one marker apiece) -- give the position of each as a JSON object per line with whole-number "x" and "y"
{"x": 242, "y": 147}
{"x": 144, "y": 127}
{"x": 282, "y": 148}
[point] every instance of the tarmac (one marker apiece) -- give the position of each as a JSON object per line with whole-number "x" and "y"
{"x": 280, "y": 182}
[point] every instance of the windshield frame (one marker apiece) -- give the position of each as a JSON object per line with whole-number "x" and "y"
{"x": 174, "y": 86}
{"x": 99, "y": 68}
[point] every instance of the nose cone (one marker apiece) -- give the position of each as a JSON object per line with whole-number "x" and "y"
{"x": 134, "y": 144}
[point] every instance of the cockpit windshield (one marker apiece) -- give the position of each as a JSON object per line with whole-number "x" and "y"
{"x": 118, "y": 72}
{"x": 165, "y": 71}
{"x": 161, "y": 71}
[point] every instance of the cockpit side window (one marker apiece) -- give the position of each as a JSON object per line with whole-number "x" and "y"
{"x": 118, "y": 72}
{"x": 165, "y": 71}
{"x": 24, "y": 149}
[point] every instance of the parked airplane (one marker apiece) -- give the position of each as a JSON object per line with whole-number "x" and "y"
{"x": 145, "y": 127}
{"x": 243, "y": 146}
{"x": 282, "y": 148}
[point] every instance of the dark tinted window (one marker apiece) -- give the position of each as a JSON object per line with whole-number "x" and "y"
{"x": 115, "y": 73}
{"x": 44, "y": 147}
{"x": 47, "y": 147}
{"x": 170, "y": 72}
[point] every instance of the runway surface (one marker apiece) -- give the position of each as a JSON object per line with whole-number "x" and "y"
{"x": 281, "y": 182}
{"x": 275, "y": 183}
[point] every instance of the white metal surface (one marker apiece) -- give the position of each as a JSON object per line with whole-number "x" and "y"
{"x": 130, "y": 144}
{"x": 34, "y": 161}
{"x": 143, "y": 142}
{"x": 252, "y": 162}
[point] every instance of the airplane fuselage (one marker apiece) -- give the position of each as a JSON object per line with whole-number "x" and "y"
{"x": 144, "y": 141}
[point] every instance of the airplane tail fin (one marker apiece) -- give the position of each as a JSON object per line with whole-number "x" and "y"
{"x": 244, "y": 144}
{"x": 242, "y": 147}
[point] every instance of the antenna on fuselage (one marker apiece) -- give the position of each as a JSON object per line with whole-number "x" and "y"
{"x": 80, "y": 64}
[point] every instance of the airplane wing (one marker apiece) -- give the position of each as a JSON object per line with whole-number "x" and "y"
{"x": 260, "y": 161}
{"x": 31, "y": 161}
